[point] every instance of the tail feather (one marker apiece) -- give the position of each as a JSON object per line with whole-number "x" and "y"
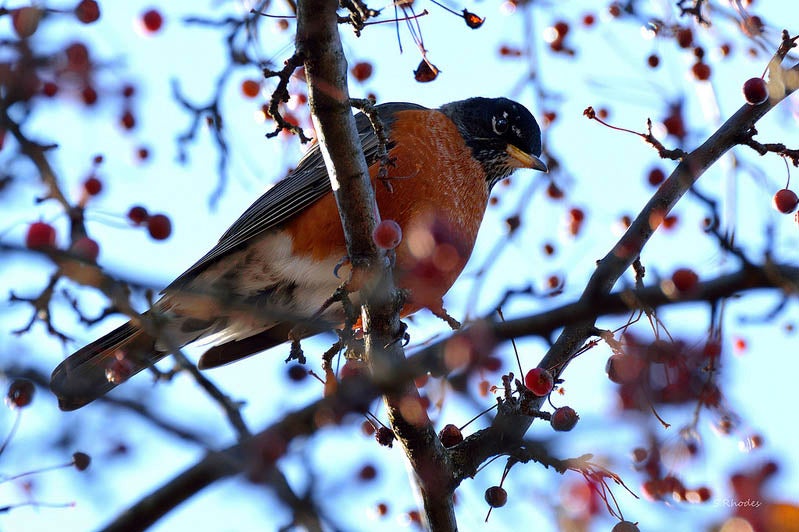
{"x": 96, "y": 369}
{"x": 280, "y": 333}
{"x": 234, "y": 350}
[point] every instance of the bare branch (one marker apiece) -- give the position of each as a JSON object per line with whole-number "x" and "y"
{"x": 326, "y": 71}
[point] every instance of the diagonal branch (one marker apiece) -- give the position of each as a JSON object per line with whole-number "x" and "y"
{"x": 510, "y": 424}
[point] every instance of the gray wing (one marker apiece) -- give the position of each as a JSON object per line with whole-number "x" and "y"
{"x": 306, "y": 184}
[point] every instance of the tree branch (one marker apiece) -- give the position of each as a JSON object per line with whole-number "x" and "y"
{"x": 319, "y": 43}
{"x": 257, "y": 455}
{"x": 511, "y": 424}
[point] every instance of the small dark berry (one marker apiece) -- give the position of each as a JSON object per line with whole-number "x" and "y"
{"x": 20, "y": 393}
{"x": 385, "y": 436}
{"x": 450, "y": 435}
{"x": 81, "y": 461}
{"x": 564, "y": 419}
{"x": 496, "y": 496}
{"x": 138, "y": 214}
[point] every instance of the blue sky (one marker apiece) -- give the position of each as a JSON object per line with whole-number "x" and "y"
{"x": 604, "y": 174}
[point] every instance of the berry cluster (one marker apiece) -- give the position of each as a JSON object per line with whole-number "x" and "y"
{"x": 158, "y": 225}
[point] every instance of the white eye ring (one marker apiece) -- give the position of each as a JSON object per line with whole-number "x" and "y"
{"x": 500, "y": 124}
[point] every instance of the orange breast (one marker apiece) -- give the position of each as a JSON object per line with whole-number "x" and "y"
{"x": 437, "y": 193}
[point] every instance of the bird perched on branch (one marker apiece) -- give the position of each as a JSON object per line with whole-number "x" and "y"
{"x": 272, "y": 271}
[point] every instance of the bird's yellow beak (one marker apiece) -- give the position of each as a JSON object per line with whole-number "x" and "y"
{"x": 520, "y": 159}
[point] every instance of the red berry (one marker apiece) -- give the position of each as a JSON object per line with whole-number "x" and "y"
{"x": 450, "y": 435}
{"x": 142, "y": 153}
{"x": 128, "y": 121}
{"x": 588, "y": 19}
{"x": 670, "y": 221}
{"x": 367, "y": 472}
{"x": 49, "y": 89}
{"x": 653, "y": 60}
{"x": 85, "y": 248}
{"x": 362, "y": 70}
{"x": 77, "y": 57}
{"x": 89, "y": 95}
{"x": 557, "y": 45}
{"x": 701, "y": 71}
{"x": 159, "y": 226}
{"x": 87, "y": 11}
{"x": 92, "y": 186}
{"x": 685, "y": 37}
{"x": 81, "y": 461}
{"x": 472, "y": 20}
{"x": 752, "y": 26}
{"x": 98, "y": 159}
{"x": 699, "y": 53}
{"x": 674, "y": 123}
{"x": 656, "y": 176}
{"x": 25, "y": 20}
{"x": 703, "y": 493}
{"x": 554, "y": 191}
{"x": 564, "y": 419}
{"x": 152, "y": 20}
{"x": 20, "y": 393}
{"x": 684, "y": 279}
{"x": 496, "y": 496}
{"x": 250, "y": 88}
{"x": 128, "y": 90}
{"x": 539, "y": 381}
{"x": 576, "y": 215}
{"x": 561, "y": 28}
{"x": 425, "y": 72}
{"x": 367, "y": 428}
{"x": 387, "y": 234}
{"x": 785, "y": 201}
{"x": 40, "y": 235}
{"x": 755, "y": 91}
{"x": 138, "y": 214}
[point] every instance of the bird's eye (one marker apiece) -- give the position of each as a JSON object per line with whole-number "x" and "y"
{"x": 500, "y": 124}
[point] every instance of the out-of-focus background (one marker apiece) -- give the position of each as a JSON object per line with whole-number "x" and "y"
{"x": 152, "y": 78}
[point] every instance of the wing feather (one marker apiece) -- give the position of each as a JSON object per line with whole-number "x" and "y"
{"x": 305, "y": 185}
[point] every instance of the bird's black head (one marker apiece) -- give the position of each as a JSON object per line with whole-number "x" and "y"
{"x": 502, "y": 134}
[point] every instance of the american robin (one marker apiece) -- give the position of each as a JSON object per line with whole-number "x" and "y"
{"x": 272, "y": 271}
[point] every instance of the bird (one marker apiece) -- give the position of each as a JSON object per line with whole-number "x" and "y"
{"x": 270, "y": 274}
